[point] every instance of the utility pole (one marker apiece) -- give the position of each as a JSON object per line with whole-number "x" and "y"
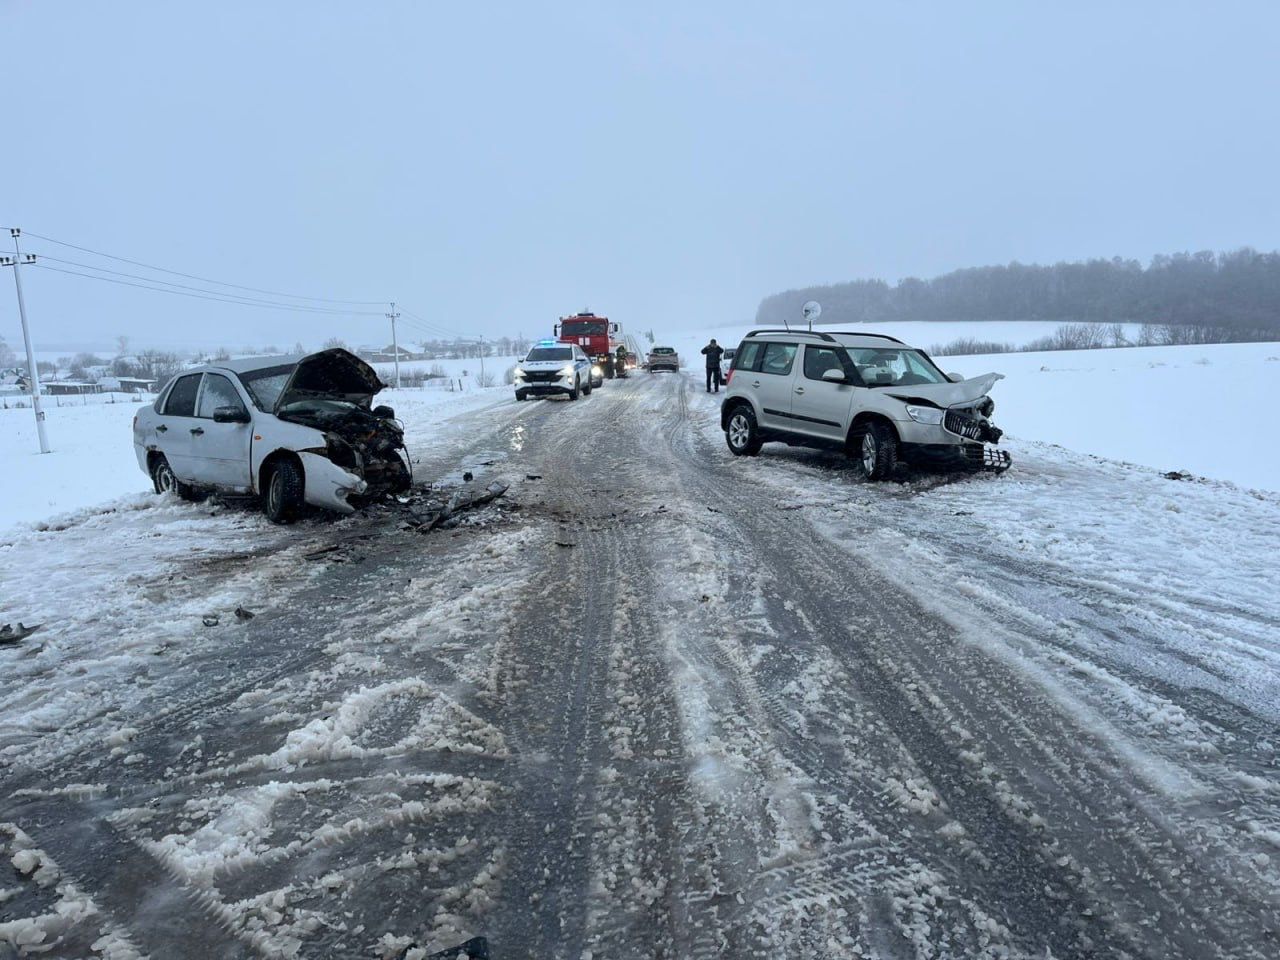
{"x": 482, "y": 353}
{"x": 395, "y": 344}
{"x": 33, "y": 371}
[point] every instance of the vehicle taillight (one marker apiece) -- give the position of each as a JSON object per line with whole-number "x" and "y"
{"x": 728, "y": 377}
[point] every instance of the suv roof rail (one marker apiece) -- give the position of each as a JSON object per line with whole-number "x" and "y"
{"x": 829, "y": 337}
{"x": 797, "y": 333}
{"x": 863, "y": 333}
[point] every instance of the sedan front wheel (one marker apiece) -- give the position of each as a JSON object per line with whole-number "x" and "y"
{"x": 282, "y": 500}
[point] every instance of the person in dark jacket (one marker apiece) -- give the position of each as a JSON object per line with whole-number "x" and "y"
{"x": 713, "y": 351}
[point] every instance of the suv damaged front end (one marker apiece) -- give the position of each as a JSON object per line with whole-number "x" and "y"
{"x": 950, "y": 425}
{"x": 363, "y": 452}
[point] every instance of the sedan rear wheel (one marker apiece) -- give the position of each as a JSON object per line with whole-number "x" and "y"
{"x": 166, "y": 481}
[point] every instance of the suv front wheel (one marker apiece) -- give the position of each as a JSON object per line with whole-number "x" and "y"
{"x": 742, "y": 433}
{"x": 875, "y": 447}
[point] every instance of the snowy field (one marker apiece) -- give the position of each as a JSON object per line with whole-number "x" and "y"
{"x": 92, "y": 459}
{"x": 1192, "y": 408}
{"x": 1188, "y": 408}
{"x": 924, "y": 719}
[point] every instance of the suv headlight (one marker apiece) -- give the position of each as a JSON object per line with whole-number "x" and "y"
{"x": 567, "y": 371}
{"x": 924, "y": 414}
{"x": 519, "y": 374}
{"x": 596, "y": 371}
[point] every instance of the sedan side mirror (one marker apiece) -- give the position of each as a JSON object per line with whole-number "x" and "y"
{"x": 955, "y": 377}
{"x": 230, "y": 414}
{"x": 832, "y": 375}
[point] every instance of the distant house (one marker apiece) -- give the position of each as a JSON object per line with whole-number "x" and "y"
{"x": 127, "y": 384}
{"x": 387, "y": 354}
{"x": 63, "y": 388}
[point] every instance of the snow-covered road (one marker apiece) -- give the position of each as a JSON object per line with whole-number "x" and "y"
{"x": 657, "y": 703}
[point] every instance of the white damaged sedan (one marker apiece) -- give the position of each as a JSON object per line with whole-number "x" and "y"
{"x": 290, "y": 430}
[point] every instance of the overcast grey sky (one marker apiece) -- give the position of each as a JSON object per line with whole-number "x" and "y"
{"x": 492, "y": 166}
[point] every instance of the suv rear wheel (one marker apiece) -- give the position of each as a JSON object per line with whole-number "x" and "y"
{"x": 742, "y": 433}
{"x": 875, "y": 447}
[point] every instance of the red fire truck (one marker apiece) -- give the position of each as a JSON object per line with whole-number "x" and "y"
{"x": 598, "y": 338}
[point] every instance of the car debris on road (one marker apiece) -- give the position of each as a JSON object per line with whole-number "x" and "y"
{"x": 9, "y": 634}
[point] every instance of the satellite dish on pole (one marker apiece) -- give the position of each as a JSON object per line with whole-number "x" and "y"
{"x": 811, "y": 311}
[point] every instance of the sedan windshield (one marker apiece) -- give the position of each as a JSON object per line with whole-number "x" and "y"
{"x": 881, "y": 367}
{"x": 545, "y": 354}
{"x": 265, "y": 385}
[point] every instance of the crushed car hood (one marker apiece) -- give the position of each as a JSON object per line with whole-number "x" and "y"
{"x": 331, "y": 375}
{"x": 948, "y": 394}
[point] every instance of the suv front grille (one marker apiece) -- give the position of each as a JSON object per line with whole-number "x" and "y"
{"x": 540, "y": 376}
{"x": 961, "y": 425}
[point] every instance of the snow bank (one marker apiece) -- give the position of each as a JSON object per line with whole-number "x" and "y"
{"x": 93, "y": 458}
{"x": 1202, "y": 409}
{"x": 918, "y": 333}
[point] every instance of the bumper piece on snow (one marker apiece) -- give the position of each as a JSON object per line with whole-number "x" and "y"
{"x": 961, "y": 456}
{"x": 989, "y": 458}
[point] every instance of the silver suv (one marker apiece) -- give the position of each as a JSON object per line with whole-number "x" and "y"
{"x": 868, "y": 394}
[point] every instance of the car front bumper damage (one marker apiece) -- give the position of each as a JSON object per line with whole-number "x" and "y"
{"x": 328, "y": 485}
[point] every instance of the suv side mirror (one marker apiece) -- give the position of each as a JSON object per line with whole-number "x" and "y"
{"x": 832, "y": 375}
{"x": 955, "y": 377}
{"x": 230, "y": 414}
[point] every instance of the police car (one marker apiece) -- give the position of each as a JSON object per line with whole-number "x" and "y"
{"x": 553, "y": 368}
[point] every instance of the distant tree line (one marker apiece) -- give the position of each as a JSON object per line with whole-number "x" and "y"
{"x": 1093, "y": 336}
{"x": 1239, "y": 290}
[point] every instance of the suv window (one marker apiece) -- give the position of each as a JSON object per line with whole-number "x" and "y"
{"x": 748, "y": 355}
{"x": 182, "y": 397}
{"x": 818, "y": 360}
{"x": 218, "y": 392}
{"x": 778, "y": 358}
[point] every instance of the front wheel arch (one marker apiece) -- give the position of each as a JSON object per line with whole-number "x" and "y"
{"x": 883, "y": 461}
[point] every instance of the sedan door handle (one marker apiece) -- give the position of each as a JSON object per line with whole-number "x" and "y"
{"x": 162, "y": 429}
{"x": 755, "y": 383}
{"x": 799, "y": 389}
{"x": 197, "y": 431}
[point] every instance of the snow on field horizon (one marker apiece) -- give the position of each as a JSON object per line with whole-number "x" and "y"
{"x": 1144, "y": 405}
{"x": 1132, "y": 404}
{"x": 93, "y": 461}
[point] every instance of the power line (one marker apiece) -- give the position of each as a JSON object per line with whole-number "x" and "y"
{"x": 184, "y": 286}
{"x": 198, "y": 296}
{"x": 189, "y": 276}
{"x": 432, "y": 327}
